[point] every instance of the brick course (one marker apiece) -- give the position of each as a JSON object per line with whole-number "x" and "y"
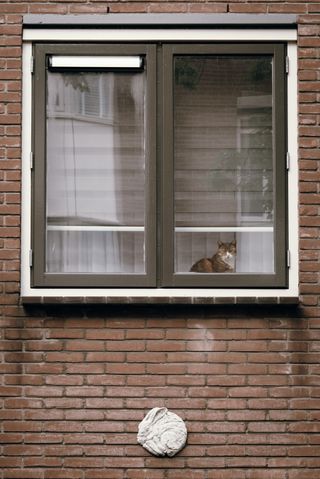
{"x": 77, "y": 379}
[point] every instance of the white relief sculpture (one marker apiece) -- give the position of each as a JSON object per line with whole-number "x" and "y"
{"x": 162, "y": 432}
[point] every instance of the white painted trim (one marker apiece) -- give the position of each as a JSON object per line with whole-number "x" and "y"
{"x": 291, "y": 291}
{"x": 293, "y": 173}
{"x": 94, "y": 228}
{"x": 221, "y": 229}
{"x": 158, "y": 293}
{"x": 26, "y": 170}
{"x": 118, "y": 34}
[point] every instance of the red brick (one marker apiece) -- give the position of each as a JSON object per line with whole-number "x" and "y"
{"x": 80, "y": 368}
{"x": 247, "y": 8}
{"x": 95, "y": 9}
{"x": 65, "y": 403}
{"x": 104, "y": 403}
{"x": 106, "y": 357}
{"x": 106, "y": 474}
{"x": 42, "y": 8}
{"x": 207, "y": 8}
{"x": 229, "y": 474}
{"x": 30, "y": 380}
{"x": 82, "y": 391}
{"x": 102, "y": 335}
{"x": 61, "y": 474}
{"x": 133, "y": 7}
{"x": 167, "y": 8}
{"x": 147, "y": 381}
{"x": 287, "y": 8}
{"x": 85, "y": 345}
{"x": 64, "y": 357}
{"x": 76, "y": 381}
{"x": 64, "y": 380}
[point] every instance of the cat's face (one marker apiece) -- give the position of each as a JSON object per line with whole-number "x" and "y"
{"x": 227, "y": 250}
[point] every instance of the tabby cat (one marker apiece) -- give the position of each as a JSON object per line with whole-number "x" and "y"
{"x": 223, "y": 261}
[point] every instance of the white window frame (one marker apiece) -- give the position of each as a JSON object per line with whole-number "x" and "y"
{"x": 92, "y": 35}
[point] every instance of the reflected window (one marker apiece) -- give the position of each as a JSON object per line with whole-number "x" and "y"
{"x": 95, "y": 172}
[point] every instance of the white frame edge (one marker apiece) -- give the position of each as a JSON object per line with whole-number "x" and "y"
{"x": 293, "y": 173}
{"x": 293, "y": 238}
{"x": 26, "y": 170}
{"x": 92, "y": 35}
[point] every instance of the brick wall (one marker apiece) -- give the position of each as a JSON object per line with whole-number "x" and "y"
{"x": 76, "y": 380}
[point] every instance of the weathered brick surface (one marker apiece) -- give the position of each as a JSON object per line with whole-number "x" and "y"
{"x": 77, "y": 379}
{"x": 75, "y": 385}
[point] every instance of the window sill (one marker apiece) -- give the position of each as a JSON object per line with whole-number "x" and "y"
{"x": 196, "y": 300}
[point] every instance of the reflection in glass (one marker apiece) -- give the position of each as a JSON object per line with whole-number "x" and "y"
{"x": 95, "y": 172}
{"x": 223, "y": 159}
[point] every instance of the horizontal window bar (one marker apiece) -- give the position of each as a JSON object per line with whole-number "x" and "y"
{"x": 94, "y": 228}
{"x": 94, "y": 61}
{"x": 213, "y": 229}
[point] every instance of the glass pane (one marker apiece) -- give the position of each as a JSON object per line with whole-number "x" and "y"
{"x": 95, "y": 172}
{"x": 223, "y": 160}
{"x": 227, "y": 252}
{"x": 95, "y": 251}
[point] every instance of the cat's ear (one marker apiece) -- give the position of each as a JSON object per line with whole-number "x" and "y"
{"x": 234, "y": 242}
{"x": 219, "y": 243}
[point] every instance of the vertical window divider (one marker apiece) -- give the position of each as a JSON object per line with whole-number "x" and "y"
{"x": 159, "y": 163}
{"x": 151, "y": 159}
{"x": 167, "y": 167}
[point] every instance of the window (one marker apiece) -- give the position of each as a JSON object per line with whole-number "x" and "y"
{"x": 160, "y": 165}
{"x": 224, "y": 158}
{"x": 94, "y": 168}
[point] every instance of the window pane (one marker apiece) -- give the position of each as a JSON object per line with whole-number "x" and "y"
{"x": 223, "y": 160}
{"x": 224, "y": 252}
{"x": 95, "y": 172}
{"x": 70, "y": 251}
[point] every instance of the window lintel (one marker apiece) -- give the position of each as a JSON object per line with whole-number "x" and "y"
{"x": 162, "y": 20}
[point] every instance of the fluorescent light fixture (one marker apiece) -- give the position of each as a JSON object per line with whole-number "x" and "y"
{"x": 57, "y": 61}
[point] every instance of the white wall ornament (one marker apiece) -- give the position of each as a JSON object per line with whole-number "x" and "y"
{"x": 162, "y": 432}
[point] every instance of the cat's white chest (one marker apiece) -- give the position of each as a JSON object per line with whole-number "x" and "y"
{"x": 230, "y": 260}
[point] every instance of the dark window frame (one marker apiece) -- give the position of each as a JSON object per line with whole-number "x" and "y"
{"x": 159, "y": 239}
{"x": 279, "y": 278}
{"x": 40, "y": 278}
